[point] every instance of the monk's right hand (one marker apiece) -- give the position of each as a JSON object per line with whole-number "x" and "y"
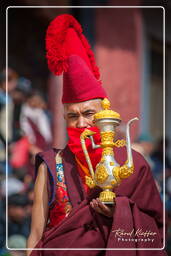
{"x": 102, "y": 208}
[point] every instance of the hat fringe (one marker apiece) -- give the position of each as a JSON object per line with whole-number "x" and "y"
{"x": 56, "y": 53}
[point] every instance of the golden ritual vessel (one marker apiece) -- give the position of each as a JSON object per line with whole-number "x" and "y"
{"x": 108, "y": 173}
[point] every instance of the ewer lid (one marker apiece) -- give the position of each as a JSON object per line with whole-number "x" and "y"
{"x": 107, "y": 112}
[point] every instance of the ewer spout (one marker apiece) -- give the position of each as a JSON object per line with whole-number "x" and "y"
{"x": 128, "y": 143}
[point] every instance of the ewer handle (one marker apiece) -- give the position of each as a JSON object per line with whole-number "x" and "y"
{"x": 84, "y": 135}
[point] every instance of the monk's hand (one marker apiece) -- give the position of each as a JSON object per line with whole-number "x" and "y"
{"x": 101, "y": 208}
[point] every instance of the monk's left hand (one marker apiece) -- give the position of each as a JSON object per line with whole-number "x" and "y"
{"x": 100, "y": 207}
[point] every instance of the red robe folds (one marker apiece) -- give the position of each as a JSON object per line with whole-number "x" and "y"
{"x": 137, "y": 221}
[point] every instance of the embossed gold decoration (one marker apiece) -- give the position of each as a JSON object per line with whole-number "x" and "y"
{"x": 86, "y": 133}
{"x": 114, "y": 183}
{"x": 108, "y": 187}
{"x": 112, "y": 163}
{"x": 120, "y": 143}
{"x": 89, "y": 182}
{"x": 116, "y": 174}
{"x": 101, "y": 173}
{"x": 108, "y": 173}
{"x": 107, "y": 196}
{"x": 107, "y": 112}
{"x": 126, "y": 171}
{"x": 107, "y": 151}
{"x": 105, "y": 104}
{"x": 107, "y": 139}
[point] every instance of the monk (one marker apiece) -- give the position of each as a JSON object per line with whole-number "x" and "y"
{"x": 67, "y": 217}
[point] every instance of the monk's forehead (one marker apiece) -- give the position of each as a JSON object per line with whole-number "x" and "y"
{"x": 83, "y": 106}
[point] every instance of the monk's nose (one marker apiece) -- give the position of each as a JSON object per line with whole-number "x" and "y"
{"x": 82, "y": 122}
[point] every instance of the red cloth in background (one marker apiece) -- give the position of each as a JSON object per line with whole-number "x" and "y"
{"x": 20, "y": 153}
{"x": 40, "y": 140}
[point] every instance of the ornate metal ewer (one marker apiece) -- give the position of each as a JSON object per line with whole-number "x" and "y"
{"x": 108, "y": 173}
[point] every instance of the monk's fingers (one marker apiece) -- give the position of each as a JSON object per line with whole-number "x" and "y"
{"x": 101, "y": 208}
{"x": 96, "y": 208}
{"x": 104, "y": 210}
{"x": 94, "y": 203}
{"x": 107, "y": 210}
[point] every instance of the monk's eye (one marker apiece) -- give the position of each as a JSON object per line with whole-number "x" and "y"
{"x": 72, "y": 117}
{"x": 89, "y": 114}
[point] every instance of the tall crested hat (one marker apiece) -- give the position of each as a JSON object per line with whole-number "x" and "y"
{"x": 69, "y": 53}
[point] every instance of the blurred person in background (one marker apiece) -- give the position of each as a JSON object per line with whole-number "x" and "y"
{"x": 20, "y": 146}
{"x": 19, "y": 96}
{"x": 35, "y": 123}
{"x": 18, "y": 220}
{"x": 11, "y": 85}
{"x": 17, "y": 241}
{"x": 15, "y": 186}
{"x": 18, "y": 217}
{"x": 157, "y": 157}
{"x": 145, "y": 145}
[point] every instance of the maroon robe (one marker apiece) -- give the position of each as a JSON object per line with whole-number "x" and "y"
{"x": 137, "y": 220}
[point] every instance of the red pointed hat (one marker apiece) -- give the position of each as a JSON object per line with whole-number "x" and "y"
{"x": 68, "y": 52}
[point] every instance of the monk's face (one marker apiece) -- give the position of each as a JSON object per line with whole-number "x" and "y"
{"x": 80, "y": 115}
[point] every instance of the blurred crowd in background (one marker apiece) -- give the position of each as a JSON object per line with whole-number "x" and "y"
{"x": 29, "y": 132}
